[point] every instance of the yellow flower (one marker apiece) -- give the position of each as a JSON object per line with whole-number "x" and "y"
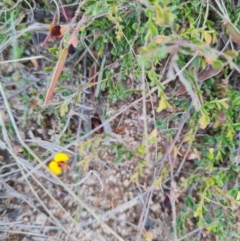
{"x": 55, "y": 168}
{"x": 58, "y": 163}
{"x": 61, "y": 157}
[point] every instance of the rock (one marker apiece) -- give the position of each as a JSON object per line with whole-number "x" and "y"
{"x": 126, "y": 183}
{"x": 155, "y": 207}
{"x": 41, "y": 219}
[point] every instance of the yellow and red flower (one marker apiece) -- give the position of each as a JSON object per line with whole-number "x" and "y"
{"x": 59, "y": 163}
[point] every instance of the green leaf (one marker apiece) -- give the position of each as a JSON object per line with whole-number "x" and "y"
{"x": 153, "y": 29}
{"x": 196, "y": 41}
{"x": 103, "y": 85}
{"x": 207, "y": 37}
{"x": 153, "y": 136}
{"x": 208, "y": 219}
{"x": 119, "y": 159}
{"x": 189, "y": 202}
{"x": 236, "y": 126}
{"x": 48, "y": 69}
{"x": 210, "y": 105}
{"x": 218, "y": 213}
{"x": 63, "y": 109}
{"x": 135, "y": 26}
{"x": 198, "y": 212}
{"x": 196, "y": 62}
{"x": 129, "y": 155}
{"x": 210, "y": 154}
{"x": 236, "y": 102}
{"x": 162, "y": 52}
{"x": 141, "y": 150}
{"x": 152, "y": 76}
{"x": 223, "y": 222}
{"x": 217, "y": 64}
{"x": 231, "y": 53}
{"x": 53, "y": 50}
{"x": 161, "y": 124}
{"x": 79, "y": 97}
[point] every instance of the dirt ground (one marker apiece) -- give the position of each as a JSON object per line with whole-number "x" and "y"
{"x": 36, "y": 206}
{"x": 41, "y": 209}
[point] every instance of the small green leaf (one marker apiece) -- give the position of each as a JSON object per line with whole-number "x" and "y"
{"x": 119, "y": 159}
{"x": 210, "y": 154}
{"x": 210, "y": 106}
{"x": 189, "y": 202}
{"x": 236, "y": 102}
{"x": 161, "y": 124}
{"x": 208, "y": 219}
{"x": 218, "y": 212}
{"x": 79, "y": 97}
{"x": 217, "y": 64}
{"x": 152, "y": 76}
{"x": 153, "y": 136}
{"x": 53, "y": 50}
{"x": 153, "y": 29}
{"x": 198, "y": 212}
{"x": 223, "y": 222}
{"x": 141, "y": 150}
{"x": 129, "y": 155}
{"x": 135, "y": 26}
{"x": 48, "y": 69}
{"x": 63, "y": 109}
{"x": 236, "y": 126}
{"x": 231, "y": 53}
{"x": 207, "y": 37}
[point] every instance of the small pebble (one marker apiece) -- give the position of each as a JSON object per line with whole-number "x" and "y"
{"x": 155, "y": 207}
{"x": 41, "y": 219}
{"x": 126, "y": 183}
{"x": 27, "y": 52}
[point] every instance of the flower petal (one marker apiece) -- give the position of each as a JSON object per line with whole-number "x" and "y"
{"x": 54, "y": 167}
{"x": 61, "y": 157}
